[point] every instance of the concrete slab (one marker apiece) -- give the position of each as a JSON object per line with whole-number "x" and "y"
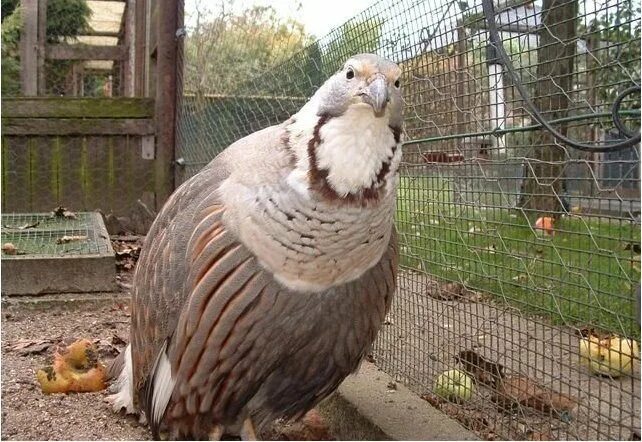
{"x": 399, "y": 413}
{"x": 48, "y": 264}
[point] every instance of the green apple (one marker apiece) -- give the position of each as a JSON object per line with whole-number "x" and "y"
{"x": 454, "y": 385}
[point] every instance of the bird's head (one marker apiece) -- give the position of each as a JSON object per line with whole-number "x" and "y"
{"x": 366, "y": 80}
{"x": 347, "y": 138}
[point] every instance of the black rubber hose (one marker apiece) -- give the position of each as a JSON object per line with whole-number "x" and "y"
{"x": 616, "y": 109}
{"x": 496, "y": 41}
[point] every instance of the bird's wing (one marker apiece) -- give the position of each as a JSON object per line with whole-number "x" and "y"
{"x": 160, "y": 287}
{"x": 210, "y": 325}
{"x": 243, "y": 335}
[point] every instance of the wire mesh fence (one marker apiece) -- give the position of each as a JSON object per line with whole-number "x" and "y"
{"x": 60, "y": 232}
{"x": 520, "y": 255}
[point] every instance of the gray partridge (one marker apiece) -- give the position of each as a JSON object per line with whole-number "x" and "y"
{"x": 265, "y": 277}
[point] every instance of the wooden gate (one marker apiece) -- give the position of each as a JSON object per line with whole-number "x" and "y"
{"x": 113, "y": 154}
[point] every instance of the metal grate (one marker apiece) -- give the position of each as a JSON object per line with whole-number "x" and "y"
{"x": 43, "y": 234}
{"x": 479, "y": 176}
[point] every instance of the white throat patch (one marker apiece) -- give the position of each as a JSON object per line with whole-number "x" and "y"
{"x": 353, "y": 149}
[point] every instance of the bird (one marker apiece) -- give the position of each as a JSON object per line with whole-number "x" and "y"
{"x": 266, "y": 277}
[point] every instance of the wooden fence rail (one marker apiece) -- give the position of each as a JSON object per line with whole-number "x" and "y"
{"x": 84, "y": 154}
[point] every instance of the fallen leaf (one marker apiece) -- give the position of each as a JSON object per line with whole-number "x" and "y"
{"x": 433, "y": 399}
{"x": 316, "y": 426}
{"x": 29, "y": 225}
{"x": 539, "y": 435}
{"x": 490, "y": 249}
{"x": 26, "y": 347}
{"x": 9, "y": 249}
{"x": 24, "y": 226}
{"x": 71, "y": 238}
{"x": 126, "y": 238}
{"x": 122, "y": 306}
{"x": 58, "y": 211}
{"x": 590, "y": 332}
{"x": 453, "y": 291}
{"x": 521, "y": 390}
{"x": 117, "y": 340}
{"x": 484, "y": 371}
{"x": 124, "y": 285}
{"x": 311, "y": 426}
{"x": 448, "y": 291}
{"x": 476, "y": 421}
{"x": 62, "y": 212}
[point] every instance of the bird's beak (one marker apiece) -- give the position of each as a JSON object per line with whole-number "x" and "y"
{"x": 376, "y": 95}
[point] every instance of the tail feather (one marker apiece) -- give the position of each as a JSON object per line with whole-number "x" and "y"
{"x": 159, "y": 388}
{"x": 115, "y": 367}
{"x": 120, "y": 372}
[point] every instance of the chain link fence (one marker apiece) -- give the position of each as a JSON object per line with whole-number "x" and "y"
{"x": 519, "y": 254}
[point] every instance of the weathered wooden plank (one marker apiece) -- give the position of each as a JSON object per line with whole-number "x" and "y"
{"x": 45, "y": 107}
{"x": 42, "y": 41}
{"x": 29, "y": 47}
{"x": 127, "y": 36}
{"x": 15, "y": 175}
{"x": 4, "y": 163}
{"x": 97, "y": 174}
{"x": 84, "y": 172}
{"x": 137, "y": 180}
{"x": 44, "y": 162}
{"x": 94, "y": 33}
{"x": 112, "y": 169}
{"x": 77, "y": 126}
{"x": 166, "y": 87}
{"x": 79, "y": 172}
{"x": 115, "y": 179}
{"x": 140, "y": 70}
{"x": 69, "y": 182}
{"x": 84, "y": 52}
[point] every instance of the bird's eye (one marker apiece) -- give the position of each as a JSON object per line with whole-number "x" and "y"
{"x": 350, "y": 74}
{"x": 397, "y": 83}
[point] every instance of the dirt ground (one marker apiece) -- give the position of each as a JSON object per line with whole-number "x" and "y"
{"x": 28, "y": 414}
{"x": 427, "y": 329}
